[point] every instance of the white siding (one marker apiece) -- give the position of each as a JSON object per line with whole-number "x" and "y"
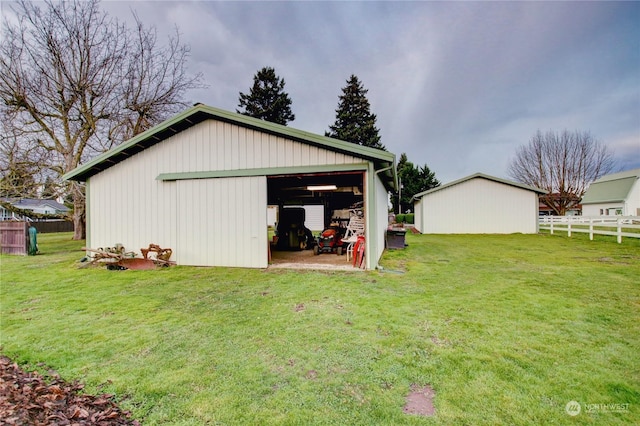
{"x": 608, "y": 209}
{"x": 214, "y": 145}
{"x": 223, "y": 222}
{"x": 418, "y": 222}
{"x": 130, "y": 207}
{"x": 382, "y": 221}
{"x": 127, "y": 205}
{"x": 632, "y": 207}
{"x": 480, "y": 206}
{"x": 313, "y": 216}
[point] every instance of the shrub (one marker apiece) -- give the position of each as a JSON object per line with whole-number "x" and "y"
{"x": 400, "y": 218}
{"x": 409, "y": 218}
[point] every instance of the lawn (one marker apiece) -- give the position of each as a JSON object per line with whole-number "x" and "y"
{"x": 505, "y": 329}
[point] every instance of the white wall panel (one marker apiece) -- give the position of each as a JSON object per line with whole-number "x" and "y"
{"x": 223, "y": 222}
{"x": 214, "y": 145}
{"x": 127, "y": 208}
{"x": 418, "y": 222}
{"x": 382, "y": 219}
{"x": 480, "y": 206}
{"x": 632, "y": 207}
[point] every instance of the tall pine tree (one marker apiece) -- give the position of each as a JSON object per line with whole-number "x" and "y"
{"x": 354, "y": 121}
{"x": 267, "y": 99}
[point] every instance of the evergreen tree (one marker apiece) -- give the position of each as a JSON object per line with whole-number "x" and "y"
{"x": 413, "y": 180}
{"x": 354, "y": 121}
{"x": 267, "y": 99}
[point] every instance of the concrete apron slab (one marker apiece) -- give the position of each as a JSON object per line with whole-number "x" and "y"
{"x": 315, "y": 266}
{"x": 305, "y": 259}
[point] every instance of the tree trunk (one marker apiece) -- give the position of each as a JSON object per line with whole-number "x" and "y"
{"x": 79, "y": 212}
{"x": 79, "y": 225}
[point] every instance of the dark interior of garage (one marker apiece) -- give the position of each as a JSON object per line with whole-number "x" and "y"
{"x": 313, "y": 189}
{"x": 339, "y": 193}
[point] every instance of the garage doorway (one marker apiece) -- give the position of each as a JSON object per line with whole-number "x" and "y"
{"x": 335, "y": 194}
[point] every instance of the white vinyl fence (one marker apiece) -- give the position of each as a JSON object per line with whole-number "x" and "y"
{"x": 618, "y": 226}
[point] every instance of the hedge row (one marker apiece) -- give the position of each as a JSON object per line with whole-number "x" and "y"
{"x": 405, "y": 218}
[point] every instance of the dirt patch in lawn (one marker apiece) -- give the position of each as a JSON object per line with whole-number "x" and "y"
{"x": 420, "y": 401}
{"x": 28, "y": 398}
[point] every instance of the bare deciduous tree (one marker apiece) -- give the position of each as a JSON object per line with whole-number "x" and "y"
{"x": 76, "y": 82}
{"x": 564, "y": 164}
{"x": 20, "y": 166}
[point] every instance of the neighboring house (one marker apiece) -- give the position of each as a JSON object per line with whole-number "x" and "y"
{"x": 614, "y": 194}
{"x": 39, "y": 206}
{"x": 201, "y": 183}
{"x": 478, "y": 204}
{"x": 545, "y": 210}
{"x": 6, "y": 214}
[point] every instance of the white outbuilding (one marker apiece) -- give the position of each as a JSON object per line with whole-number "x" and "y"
{"x": 478, "y": 204}
{"x": 201, "y": 182}
{"x": 614, "y": 194}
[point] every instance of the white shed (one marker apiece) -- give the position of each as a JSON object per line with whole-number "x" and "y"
{"x": 201, "y": 183}
{"x": 478, "y": 204}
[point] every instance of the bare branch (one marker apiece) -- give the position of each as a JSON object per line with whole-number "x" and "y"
{"x": 74, "y": 82}
{"x": 563, "y": 164}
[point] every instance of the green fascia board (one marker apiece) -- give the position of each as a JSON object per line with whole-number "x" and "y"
{"x": 199, "y": 113}
{"x": 272, "y": 171}
{"x": 609, "y": 191}
{"x": 144, "y": 140}
{"x": 483, "y": 176}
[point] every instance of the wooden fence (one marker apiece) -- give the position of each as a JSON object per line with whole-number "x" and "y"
{"x": 51, "y": 226}
{"x": 618, "y": 226}
{"x": 14, "y": 237}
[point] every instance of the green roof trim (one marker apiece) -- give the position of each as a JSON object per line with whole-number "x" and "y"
{"x": 199, "y": 113}
{"x": 482, "y": 176}
{"x": 609, "y": 191}
{"x": 272, "y": 171}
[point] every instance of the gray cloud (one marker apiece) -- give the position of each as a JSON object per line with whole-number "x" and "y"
{"x": 457, "y": 86}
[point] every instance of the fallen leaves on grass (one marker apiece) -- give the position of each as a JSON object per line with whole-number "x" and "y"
{"x": 26, "y": 398}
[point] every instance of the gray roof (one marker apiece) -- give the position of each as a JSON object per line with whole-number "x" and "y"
{"x": 613, "y": 188}
{"x": 481, "y": 176}
{"x": 32, "y": 203}
{"x": 383, "y": 160}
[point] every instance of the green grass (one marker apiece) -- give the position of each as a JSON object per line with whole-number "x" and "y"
{"x": 506, "y": 329}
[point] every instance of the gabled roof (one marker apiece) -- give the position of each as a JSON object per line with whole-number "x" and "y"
{"x": 481, "y": 176}
{"x": 613, "y": 188}
{"x": 619, "y": 175}
{"x": 33, "y": 203}
{"x": 199, "y": 113}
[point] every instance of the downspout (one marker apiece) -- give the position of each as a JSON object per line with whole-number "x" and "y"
{"x": 378, "y": 267}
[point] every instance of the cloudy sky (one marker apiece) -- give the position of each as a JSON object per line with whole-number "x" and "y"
{"x": 457, "y": 86}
